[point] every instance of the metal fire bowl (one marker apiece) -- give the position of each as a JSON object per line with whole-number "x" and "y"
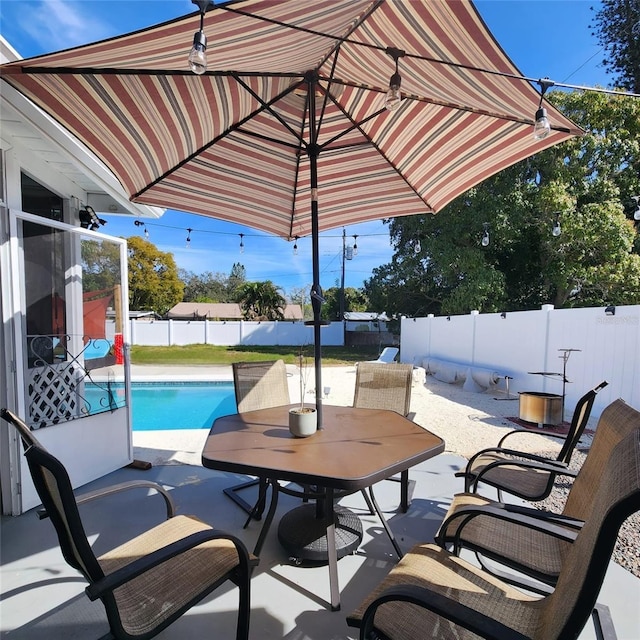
{"x": 541, "y": 408}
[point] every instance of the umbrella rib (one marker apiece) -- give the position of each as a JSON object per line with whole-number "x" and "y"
{"x": 234, "y": 127}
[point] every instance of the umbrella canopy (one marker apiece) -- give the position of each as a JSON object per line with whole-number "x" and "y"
{"x": 287, "y": 130}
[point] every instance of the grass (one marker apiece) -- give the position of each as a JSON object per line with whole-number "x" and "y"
{"x": 213, "y": 354}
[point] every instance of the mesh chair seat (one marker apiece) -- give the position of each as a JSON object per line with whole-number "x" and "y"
{"x": 173, "y": 584}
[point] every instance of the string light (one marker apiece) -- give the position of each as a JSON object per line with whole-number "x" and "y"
{"x": 417, "y": 247}
{"x": 189, "y": 230}
{"x": 355, "y": 245}
{"x": 485, "y": 235}
{"x": 139, "y": 223}
{"x": 636, "y": 213}
{"x": 295, "y": 246}
{"x": 542, "y": 126}
{"x": 241, "y": 243}
{"x": 556, "y": 231}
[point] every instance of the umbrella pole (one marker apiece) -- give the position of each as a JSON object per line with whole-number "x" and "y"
{"x": 316, "y": 292}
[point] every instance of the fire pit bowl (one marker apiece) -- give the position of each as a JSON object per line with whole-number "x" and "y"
{"x": 540, "y": 407}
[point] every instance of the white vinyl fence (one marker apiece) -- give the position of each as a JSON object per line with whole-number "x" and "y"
{"x": 480, "y": 350}
{"x": 232, "y": 332}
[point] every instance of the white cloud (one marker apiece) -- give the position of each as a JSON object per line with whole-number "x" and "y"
{"x": 60, "y": 24}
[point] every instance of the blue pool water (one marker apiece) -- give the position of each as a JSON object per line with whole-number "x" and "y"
{"x": 173, "y": 405}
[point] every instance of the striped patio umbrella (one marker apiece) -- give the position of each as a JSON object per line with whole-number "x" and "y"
{"x": 287, "y": 130}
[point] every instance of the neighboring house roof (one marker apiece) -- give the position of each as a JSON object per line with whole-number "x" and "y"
{"x": 221, "y": 311}
{"x": 365, "y": 316}
{"x": 136, "y": 315}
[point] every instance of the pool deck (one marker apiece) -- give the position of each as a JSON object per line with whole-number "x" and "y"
{"x": 43, "y": 599}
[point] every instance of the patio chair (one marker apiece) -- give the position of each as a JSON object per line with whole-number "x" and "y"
{"x": 258, "y": 385}
{"x": 150, "y": 581}
{"x": 533, "y": 542}
{"x": 387, "y": 356}
{"x": 434, "y": 593}
{"x": 386, "y": 386}
{"x": 494, "y": 466}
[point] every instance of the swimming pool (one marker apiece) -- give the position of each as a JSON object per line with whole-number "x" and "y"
{"x": 172, "y": 405}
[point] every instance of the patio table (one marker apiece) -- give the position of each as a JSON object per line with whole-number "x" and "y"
{"x": 355, "y": 449}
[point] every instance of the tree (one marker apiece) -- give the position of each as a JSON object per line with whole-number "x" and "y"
{"x": 100, "y": 264}
{"x": 261, "y": 301}
{"x": 237, "y": 277}
{"x": 585, "y": 184}
{"x": 617, "y": 27}
{"x": 354, "y": 300}
{"x": 204, "y": 287}
{"x": 153, "y": 277}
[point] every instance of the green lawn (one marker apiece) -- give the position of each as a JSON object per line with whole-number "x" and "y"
{"x": 210, "y": 354}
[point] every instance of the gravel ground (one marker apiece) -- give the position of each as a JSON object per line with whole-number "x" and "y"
{"x": 627, "y": 550}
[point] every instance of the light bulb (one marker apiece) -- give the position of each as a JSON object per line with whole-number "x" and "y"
{"x": 636, "y": 215}
{"x": 556, "y": 231}
{"x": 295, "y": 249}
{"x": 355, "y": 245}
{"x": 485, "y": 238}
{"x": 241, "y": 243}
{"x": 394, "y": 96}
{"x": 417, "y": 247}
{"x": 146, "y": 232}
{"x": 542, "y": 127}
{"x": 198, "y": 53}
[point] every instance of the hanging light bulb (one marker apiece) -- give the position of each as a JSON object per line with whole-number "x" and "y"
{"x": 188, "y": 245}
{"x": 556, "y": 231}
{"x": 146, "y": 232}
{"x": 241, "y": 243}
{"x": 355, "y": 245}
{"x": 636, "y": 213}
{"x": 198, "y": 53}
{"x": 295, "y": 246}
{"x": 485, "y": 235}
{"x": 542, "y": 126}
{"x": 417, "y": 247}
{"x": 393, "y": 96}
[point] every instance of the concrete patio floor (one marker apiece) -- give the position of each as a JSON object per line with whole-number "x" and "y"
{"x": 43, "y": 599}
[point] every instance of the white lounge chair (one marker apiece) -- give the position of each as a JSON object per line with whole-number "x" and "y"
{"x": 387, "y": 356}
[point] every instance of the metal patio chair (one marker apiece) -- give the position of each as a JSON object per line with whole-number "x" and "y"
{"x": 387, "y": 386}
{"x": 435, "y": 593}
{"x": 150, "y": 581}
{"x": 534, "y": 480}
{"x": 258, "y": 385}
{"x": 533, "y": 542}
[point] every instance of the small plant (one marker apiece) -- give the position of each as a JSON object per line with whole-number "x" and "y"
{"x": 304, "y": 378}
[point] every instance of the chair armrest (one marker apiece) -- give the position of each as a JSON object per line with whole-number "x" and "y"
{"x": 458, "y": 613}
{"x": 552, "y": 466}
{"x": 141, "y": 565}
{"x": 565, "y": 521}
{"x": 117, "y": 488}
{"x": 529, "y": 432}
{"x": 547, "y": 525}
{"x": 470, "y": 473}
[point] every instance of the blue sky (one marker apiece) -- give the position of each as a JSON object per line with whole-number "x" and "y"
{"x": 545, "y": 38}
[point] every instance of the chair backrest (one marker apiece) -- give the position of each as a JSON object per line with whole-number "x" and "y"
{"x": 579, "y": 420}
{"x": 383, "y": 386}
{"x": 54, "y": 489}
{"x": 615, "y": 423}
{"x": 259, "y": 385}
{"x": 388, "y": 354}
{"x": 615, "y": 498}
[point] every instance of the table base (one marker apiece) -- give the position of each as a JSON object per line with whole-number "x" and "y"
{"x": 304, "y": 535}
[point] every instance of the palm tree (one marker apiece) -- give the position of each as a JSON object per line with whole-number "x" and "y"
{"x": 261, "y": 301}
